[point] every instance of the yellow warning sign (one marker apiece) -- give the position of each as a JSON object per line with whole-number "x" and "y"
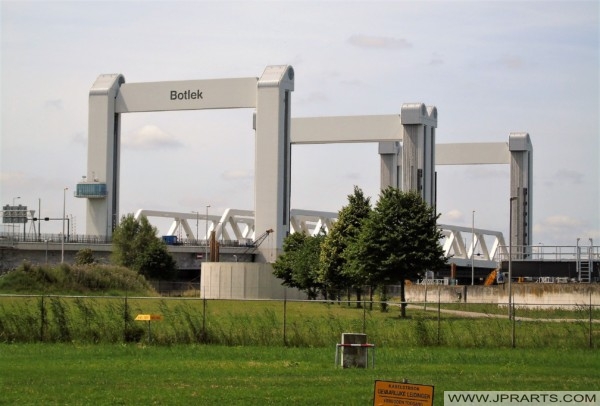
{"x": 148, "y": 317}
{"x": 389, "y": 393}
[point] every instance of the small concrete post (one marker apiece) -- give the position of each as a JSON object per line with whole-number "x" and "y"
{"x": 354, "y": 356}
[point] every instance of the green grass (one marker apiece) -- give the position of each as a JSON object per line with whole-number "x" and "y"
{"x": 267, "y": 323}
{"x": 581, "y": 311}
{"x": 119, "y": 374}
{"x": 75, "y": 279}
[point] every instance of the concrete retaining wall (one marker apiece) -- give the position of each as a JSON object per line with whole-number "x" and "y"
{"x": 530, "y": 294}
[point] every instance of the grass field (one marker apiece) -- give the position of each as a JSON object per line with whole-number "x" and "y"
{"x": 273, "y": 323}
{"x": 136, "y": 374}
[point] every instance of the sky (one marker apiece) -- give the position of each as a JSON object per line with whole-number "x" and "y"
{"x": 490, "y": 68}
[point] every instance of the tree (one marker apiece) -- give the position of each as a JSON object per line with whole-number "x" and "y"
{"x": 136, "y": 246}
{"x": 334, "y": 271}
{"x": 85, "y": 256}
{"x": 298, "y": 266}
{"x": 400, "y": 240}
{"x": 123, "y": 241}
{"x": 155, "y": 262}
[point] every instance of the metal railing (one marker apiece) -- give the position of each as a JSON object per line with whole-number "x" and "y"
{"x": 546, "y": 253}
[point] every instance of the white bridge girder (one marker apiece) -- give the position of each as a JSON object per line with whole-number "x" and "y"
{"x": 484, "y": 248}
{"x": 235, "y": 224}
{"x": 458, "y": 251}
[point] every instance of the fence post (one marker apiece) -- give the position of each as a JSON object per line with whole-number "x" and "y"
{"x": 364, "y": 330}
{"x": 125, "y": 313}
{"x": 591, "y": 319}
{"x": 42, "y": 318}
{"x": 204, "y": 316}
{"x": 512, "y": 311}
{"x": 284, "y": 316}
{"x": 439, "y": 315}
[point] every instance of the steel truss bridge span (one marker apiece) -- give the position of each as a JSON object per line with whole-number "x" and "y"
{"x": 462, "y": 245}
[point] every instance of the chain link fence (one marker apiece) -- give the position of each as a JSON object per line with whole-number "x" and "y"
{"x": 302, "y": 323}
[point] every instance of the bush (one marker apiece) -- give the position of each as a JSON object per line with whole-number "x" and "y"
{"x": 79, "y": 279}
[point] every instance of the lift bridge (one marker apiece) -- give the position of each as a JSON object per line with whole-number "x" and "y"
{"x": 463, "y": 246}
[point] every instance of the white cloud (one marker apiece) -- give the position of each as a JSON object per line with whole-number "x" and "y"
{"x": 511, "y": 62}
{"x": 452, "y": 216}
{"x": 563, "y": 230}
{"x": 373, "y": 42}
{"x": 436, "y": 60}
{"x": 560, "y": 221}
{"x": 150, "y": 137}
{"x": 79, "y": 139}
{"x": 570, "y": 176}
{"x": 237, "y": 174}
{"x": 316, "y": 97}
{"x": 54, "y": 104}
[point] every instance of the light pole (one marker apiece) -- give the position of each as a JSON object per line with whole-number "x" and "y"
{"x": 510, "y": 235}
{"x": 473, "y": 250}
{"x": 13, "y": 219}
{"x": 197, "y": 214}
{"x": 578, "y": 260}
{"x": 206, "y": 235}
{"x": 62, "y": 239}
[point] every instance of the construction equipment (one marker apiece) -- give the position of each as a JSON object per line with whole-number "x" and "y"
{"x": 252, "y": 246}
{"x": 491, "y": 278}
{"x": 261, "y": 238}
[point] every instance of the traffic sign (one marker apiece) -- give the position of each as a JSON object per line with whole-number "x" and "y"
{"x": 148, "y": 317}
{"x": 403, "y": 394}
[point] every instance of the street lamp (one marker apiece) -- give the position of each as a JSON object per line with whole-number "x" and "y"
{"x": 13, "y": 219}
{"x": 197, "y": 214}
{"x": 473, "y": 250}
{"x": 206, "y": 235}
{"x": 541, "y": 251}
{"x": 62, "y": 239}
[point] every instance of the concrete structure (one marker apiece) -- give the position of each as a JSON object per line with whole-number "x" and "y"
{"x": 406, "y": 143}
{"x": 110, "y": 97}
{"x": 548, "y": 295}
{"x": 407, "y": 146}
{"x": 518, "y": 153}
{"x": 243, "y": 280}
{"x": 270, "y": 95}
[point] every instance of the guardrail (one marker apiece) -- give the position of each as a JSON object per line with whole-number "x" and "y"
{"x": 548, "y": 253}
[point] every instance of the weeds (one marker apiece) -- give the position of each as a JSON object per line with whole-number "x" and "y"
{"x": 264, "y": 323}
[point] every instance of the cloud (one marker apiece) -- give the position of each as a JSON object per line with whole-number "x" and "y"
{"x": 54, "y": 104}
{"x": 79, "y": 138}
{"x": 560, "y": 221}
{"x": 315, "y": 97}
{"x": 150, "y": 137}
{"x": 566, "y": 175}
{"x": 237, "y": 174}
{"x": 511, "y": 62}
{"x": 489, "y": 172}
{"x": 354, "y": 82}
{"x": 12, "y": 179}
{"x": 562, "y": 229}
{"x": 373, "y": 42}
{"x": 452, "y": 216}
{"x": 436, "y": 60}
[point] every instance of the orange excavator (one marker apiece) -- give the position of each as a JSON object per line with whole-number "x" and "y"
{"x": 491, "y": 278}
